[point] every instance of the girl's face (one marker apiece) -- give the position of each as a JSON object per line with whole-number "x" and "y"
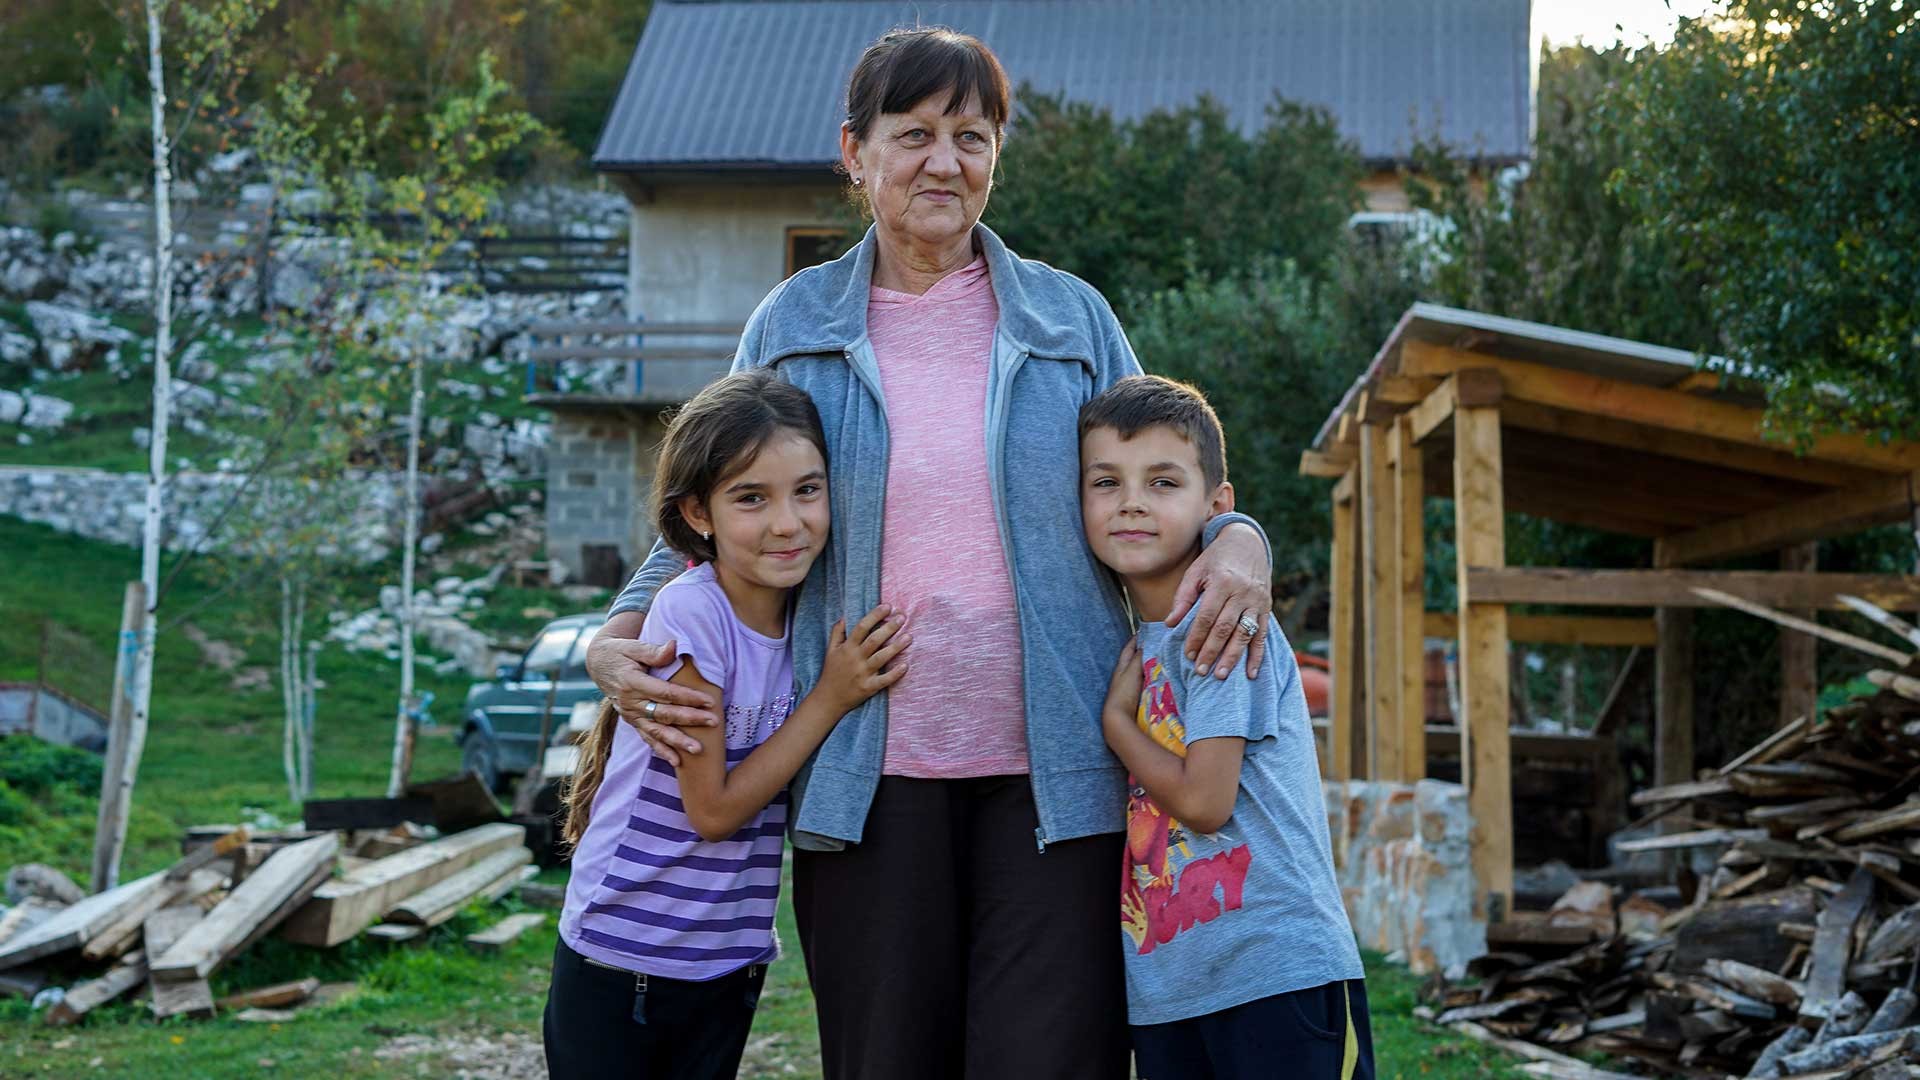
{"x": 769, "y": 520}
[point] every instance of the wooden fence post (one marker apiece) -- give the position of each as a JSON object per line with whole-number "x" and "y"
{"x": 1378, "y": 503}
{"x": 1409, "y": 474}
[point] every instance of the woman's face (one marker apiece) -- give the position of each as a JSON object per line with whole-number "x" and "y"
{"x": 926, "y": 172}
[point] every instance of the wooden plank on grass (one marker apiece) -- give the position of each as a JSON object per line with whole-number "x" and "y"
{"x": 253, "y": 902}
{"x": 344, "y": 907}
{"x": 443, "y": 900}
{"x": 276, "y": 996}
{"x": 163, "y": 928}
{"x": 206, "y": 853}
{"x": 90, "y": 995}
{"x": 501, "y": 934}
{"x": 387, "y": 931}
{"x": 76, "y": 924}
{"x": 124, "y": 932}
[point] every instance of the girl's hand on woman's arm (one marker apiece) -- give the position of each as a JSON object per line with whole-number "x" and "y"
{"x": 619, "y": 665}
{"x": 1232, "y": 579}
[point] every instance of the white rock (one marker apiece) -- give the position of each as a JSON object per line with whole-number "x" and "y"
{"x": 45, "y": 413}
{"x": 12, "y": 407}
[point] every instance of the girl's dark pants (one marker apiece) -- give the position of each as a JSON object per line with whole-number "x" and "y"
{"x": 691, "y": 1030}
{"x": 945, "y": 945}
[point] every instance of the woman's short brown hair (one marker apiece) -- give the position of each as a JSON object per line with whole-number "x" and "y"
{"x": 717, "y": 434}
{"x": 905, "y": 66}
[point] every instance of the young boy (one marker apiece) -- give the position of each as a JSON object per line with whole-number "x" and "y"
{"x": 1240, "y": 960}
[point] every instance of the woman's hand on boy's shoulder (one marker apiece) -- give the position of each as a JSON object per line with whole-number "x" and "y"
{"x": 865, "y": 660}
{"x": 1230, "y": 581}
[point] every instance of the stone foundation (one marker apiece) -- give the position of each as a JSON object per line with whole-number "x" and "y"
{"x": 1401, "y": 851}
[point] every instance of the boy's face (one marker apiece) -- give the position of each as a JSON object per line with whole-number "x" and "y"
{"x": 1144, "y": 501}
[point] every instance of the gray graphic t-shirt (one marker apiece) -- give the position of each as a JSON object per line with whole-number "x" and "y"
{"x": 1213, "y": 921}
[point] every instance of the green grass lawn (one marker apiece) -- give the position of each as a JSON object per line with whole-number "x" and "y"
{"x": 213, "y": 752}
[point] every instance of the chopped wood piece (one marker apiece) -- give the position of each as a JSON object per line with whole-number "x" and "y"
{"x": 442, "y": 901}
{"x": 1744, "y": 929}
{"x": 192, "y": 998}
{"x": 1905, "y": 685}
{"x": 275, "y": 996}
{"x": 22, "y": 982}
{"x": 395, "y": 932}
{"x": 1767, "y": 1065}
{"x": 206, "y": 853}
{"x": 342, "y": 908}
{"x": 1900, "y": 627}
{"x": 1754, "y": 982}
{"x": 1780, "y": 742}
{"x": 88, "y": 996}
{"x": 1697, "y": 838}
{"x": 75, "y": 925}
{"x": 1802, "y": 813}
{"x": 27, "y": 913}
{"x": 1692, "y": 789}
{"x": 255, "y": 902}
{"x": 1906, "y": 816}
{"x": 1842, "y": 1051}
{"x": 459, "y": 802}
{"x": 1897, "y": 936}
{"x": 1893, "y": 1011}
{"x": 1847, "y": 1017}
{"x": 537, "y": 895}
{"x": 501, "y": 934}
{"x": 1714, "y": 996}
{"x": 1832, "y": 945}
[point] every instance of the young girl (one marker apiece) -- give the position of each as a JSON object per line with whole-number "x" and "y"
{"x": 668, "y": 924}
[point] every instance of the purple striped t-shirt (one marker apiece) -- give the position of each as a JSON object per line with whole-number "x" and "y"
{"x": 646, "y": 893}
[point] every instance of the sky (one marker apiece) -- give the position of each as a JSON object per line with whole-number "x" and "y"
{"x": 1562, "y": 22}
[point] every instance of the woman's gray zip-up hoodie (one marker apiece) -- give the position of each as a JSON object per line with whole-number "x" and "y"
{"x": 1057, "y": 345}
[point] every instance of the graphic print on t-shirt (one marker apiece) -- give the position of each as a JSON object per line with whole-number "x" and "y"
{"x": 1174, "y": 878}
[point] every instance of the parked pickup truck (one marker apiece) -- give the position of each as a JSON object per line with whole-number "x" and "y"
{"x": 500, "y": 731}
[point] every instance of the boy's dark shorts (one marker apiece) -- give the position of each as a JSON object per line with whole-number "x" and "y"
{"x": 1321, "y": 1033}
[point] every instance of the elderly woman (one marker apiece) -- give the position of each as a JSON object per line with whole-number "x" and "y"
{"x": 958, "y": 837}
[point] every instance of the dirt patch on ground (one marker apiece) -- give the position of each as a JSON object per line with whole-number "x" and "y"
{"x": 475, "y": 1056}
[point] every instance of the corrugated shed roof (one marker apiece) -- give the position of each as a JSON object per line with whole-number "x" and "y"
{"x": 745, "y": 85}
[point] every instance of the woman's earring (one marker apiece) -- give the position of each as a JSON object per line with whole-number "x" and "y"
{"x": 857, "y": 181}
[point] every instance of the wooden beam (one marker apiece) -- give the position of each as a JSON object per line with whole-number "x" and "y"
{"x": 1799, "y": 653}
{"x": 76, "y": 924}
{"x": 251, "y": 902}
{"x": 1485, "y": 769}
{"x": 1433, "y": 411}
{"x": 1323, "y": 466}
{"x": 1620, "y": 434}
{"x": 1674, "y": 588}
{"x": 1613, "y": 630}
{"x": 1404, "y": 391}
{"x": 1781, "y": 618}
{"x": 1879, "y": 501}
{"x": 344, "y": 907}
{"x": 1343, "y": 491}
{"x": 1410, "y": 573}
{"x": 1341, "y": 619}
{"x": 1648, "y": 405}
{"x": 1380, "y": 548}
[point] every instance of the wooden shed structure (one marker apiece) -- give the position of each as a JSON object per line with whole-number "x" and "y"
{"x": 1504, "y": 415}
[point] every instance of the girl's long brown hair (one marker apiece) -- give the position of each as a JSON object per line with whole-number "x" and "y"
{"x": 708, "y": 442}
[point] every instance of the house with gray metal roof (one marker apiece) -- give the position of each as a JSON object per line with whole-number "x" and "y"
{"x": 725, "y": 132}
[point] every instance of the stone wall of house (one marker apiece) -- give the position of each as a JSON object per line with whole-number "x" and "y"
{"x": 599, "y": 479}
{"x": 1405, "y": 870}
{"x": 111, "y": 506}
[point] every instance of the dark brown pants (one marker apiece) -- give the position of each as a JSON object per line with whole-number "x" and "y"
{"x": 946, "y": 946}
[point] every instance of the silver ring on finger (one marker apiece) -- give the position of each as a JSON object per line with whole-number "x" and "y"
{"x": 1247, "y": 626}
{"x": 649, "y": 709}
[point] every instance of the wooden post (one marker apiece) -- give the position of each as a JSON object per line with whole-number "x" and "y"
{"x": 110, "y": 831}
{"x": 1484, "y": 764}
{"x": 1340, "y": 619}
{"x": 1799, "y": 653}
{"x": 1673, "y": 696}
{"x": 1378, "y": 503}
{"x": 1409, "y": 474}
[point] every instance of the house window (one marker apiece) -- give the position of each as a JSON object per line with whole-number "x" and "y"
{"x": 813, "y": 245}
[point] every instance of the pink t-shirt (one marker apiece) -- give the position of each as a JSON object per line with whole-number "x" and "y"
{"x": 960, "y": 710}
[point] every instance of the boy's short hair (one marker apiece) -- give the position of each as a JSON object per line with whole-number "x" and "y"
{"x": 1139, "y": 402}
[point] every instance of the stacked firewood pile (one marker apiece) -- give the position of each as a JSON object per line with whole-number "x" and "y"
{"x": 358, "y": 866}
{"x": 1796, "y": 954}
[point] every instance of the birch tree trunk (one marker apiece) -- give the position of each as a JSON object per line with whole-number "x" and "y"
{"x": 307, "y": 683}
{"x": 289, "y": 692}
{"x": 403, "y": 715}
{"x": 157, "y": 452}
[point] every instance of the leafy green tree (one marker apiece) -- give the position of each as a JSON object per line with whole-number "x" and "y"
{"x": 1778, "y": 146}
{"x": 1136, "y": 205}
{"x": 1559, "y": 246}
